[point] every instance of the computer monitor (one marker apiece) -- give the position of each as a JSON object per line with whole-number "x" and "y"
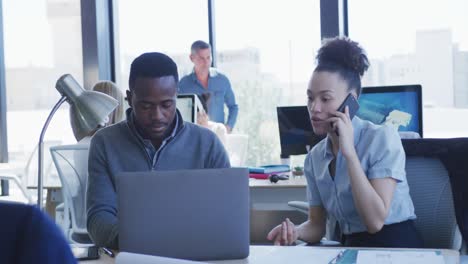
{"x": 399, "y": 106}
{"x": 295, "y": 129}
{"x": 188, "y": 105}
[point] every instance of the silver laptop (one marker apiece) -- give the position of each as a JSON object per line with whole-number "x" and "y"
{"x": 190, "y": 214}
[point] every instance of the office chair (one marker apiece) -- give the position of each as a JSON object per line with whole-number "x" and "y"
{"x": 443, "y": 216}
{"x": 430, "y": 175}
{"x": 28, "y": 235}
{"x": 431, "y": 193}
{"x": 71, "y": 162}
{"x": 30, "y": 170}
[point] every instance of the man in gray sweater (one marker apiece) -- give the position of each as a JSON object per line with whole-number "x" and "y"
{"x": 154, "y": 137}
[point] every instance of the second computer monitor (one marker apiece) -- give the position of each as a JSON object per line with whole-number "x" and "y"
{"x": 399, "y": 106}
{"x": 295, "y": 129}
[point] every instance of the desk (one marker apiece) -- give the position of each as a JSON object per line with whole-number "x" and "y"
{"x": 268, "y": 201}
{"x": 298, "y": 254}
{"x": 53, "y": 198}
{"x": 269, "y": 205}
{"x": 265, "y": 195}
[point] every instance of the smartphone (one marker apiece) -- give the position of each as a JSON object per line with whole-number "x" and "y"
{"x": 85, "y": 252}
{"x": 352, "y": 103}
{"x": 353, "y": 107}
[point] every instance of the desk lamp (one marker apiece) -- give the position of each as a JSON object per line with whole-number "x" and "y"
{"x": 89, "y": 107}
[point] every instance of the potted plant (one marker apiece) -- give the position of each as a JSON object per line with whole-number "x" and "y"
{"x": 298, "y": 171}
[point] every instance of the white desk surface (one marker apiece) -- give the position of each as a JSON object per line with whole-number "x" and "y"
{"x": 297, "y": 255}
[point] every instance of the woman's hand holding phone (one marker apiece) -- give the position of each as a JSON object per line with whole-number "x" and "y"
{"x": 342, "y": 124}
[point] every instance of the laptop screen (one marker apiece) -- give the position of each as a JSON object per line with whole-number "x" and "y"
{"x": 198, "y": 214}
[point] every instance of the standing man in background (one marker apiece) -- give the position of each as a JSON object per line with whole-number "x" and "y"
{"x": 205, "y": 79}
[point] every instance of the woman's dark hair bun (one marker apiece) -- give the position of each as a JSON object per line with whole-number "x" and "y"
{"x": 344, "y": 52}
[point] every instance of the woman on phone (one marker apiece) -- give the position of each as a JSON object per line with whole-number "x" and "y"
{"x": 357, "y": 173}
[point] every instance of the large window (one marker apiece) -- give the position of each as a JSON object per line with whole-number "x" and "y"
{"x": 42, "y": 42}
{"x": 423, "y": 42}
{"x": 159, "y": 25}
{"x": 267, "y": 49}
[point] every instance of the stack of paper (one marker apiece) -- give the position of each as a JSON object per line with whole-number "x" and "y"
{"x": 399, "y": 256}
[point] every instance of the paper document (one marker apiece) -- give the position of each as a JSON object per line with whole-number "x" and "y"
{"x": 399, "y": 257}
{"x": 132, "y": 258}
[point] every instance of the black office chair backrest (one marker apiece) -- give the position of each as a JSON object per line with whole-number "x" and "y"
{"x": 437, "y": 173}
{"x": 431, "y": 193}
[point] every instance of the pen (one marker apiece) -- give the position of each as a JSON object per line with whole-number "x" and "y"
{"x": 108, "y": 252}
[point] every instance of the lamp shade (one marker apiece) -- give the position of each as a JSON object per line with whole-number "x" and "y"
{"x": 90, "y": 108}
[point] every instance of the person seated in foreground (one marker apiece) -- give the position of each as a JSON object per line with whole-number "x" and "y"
{"x": 29, "y": 236}
{"x": 153, "y": 137}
